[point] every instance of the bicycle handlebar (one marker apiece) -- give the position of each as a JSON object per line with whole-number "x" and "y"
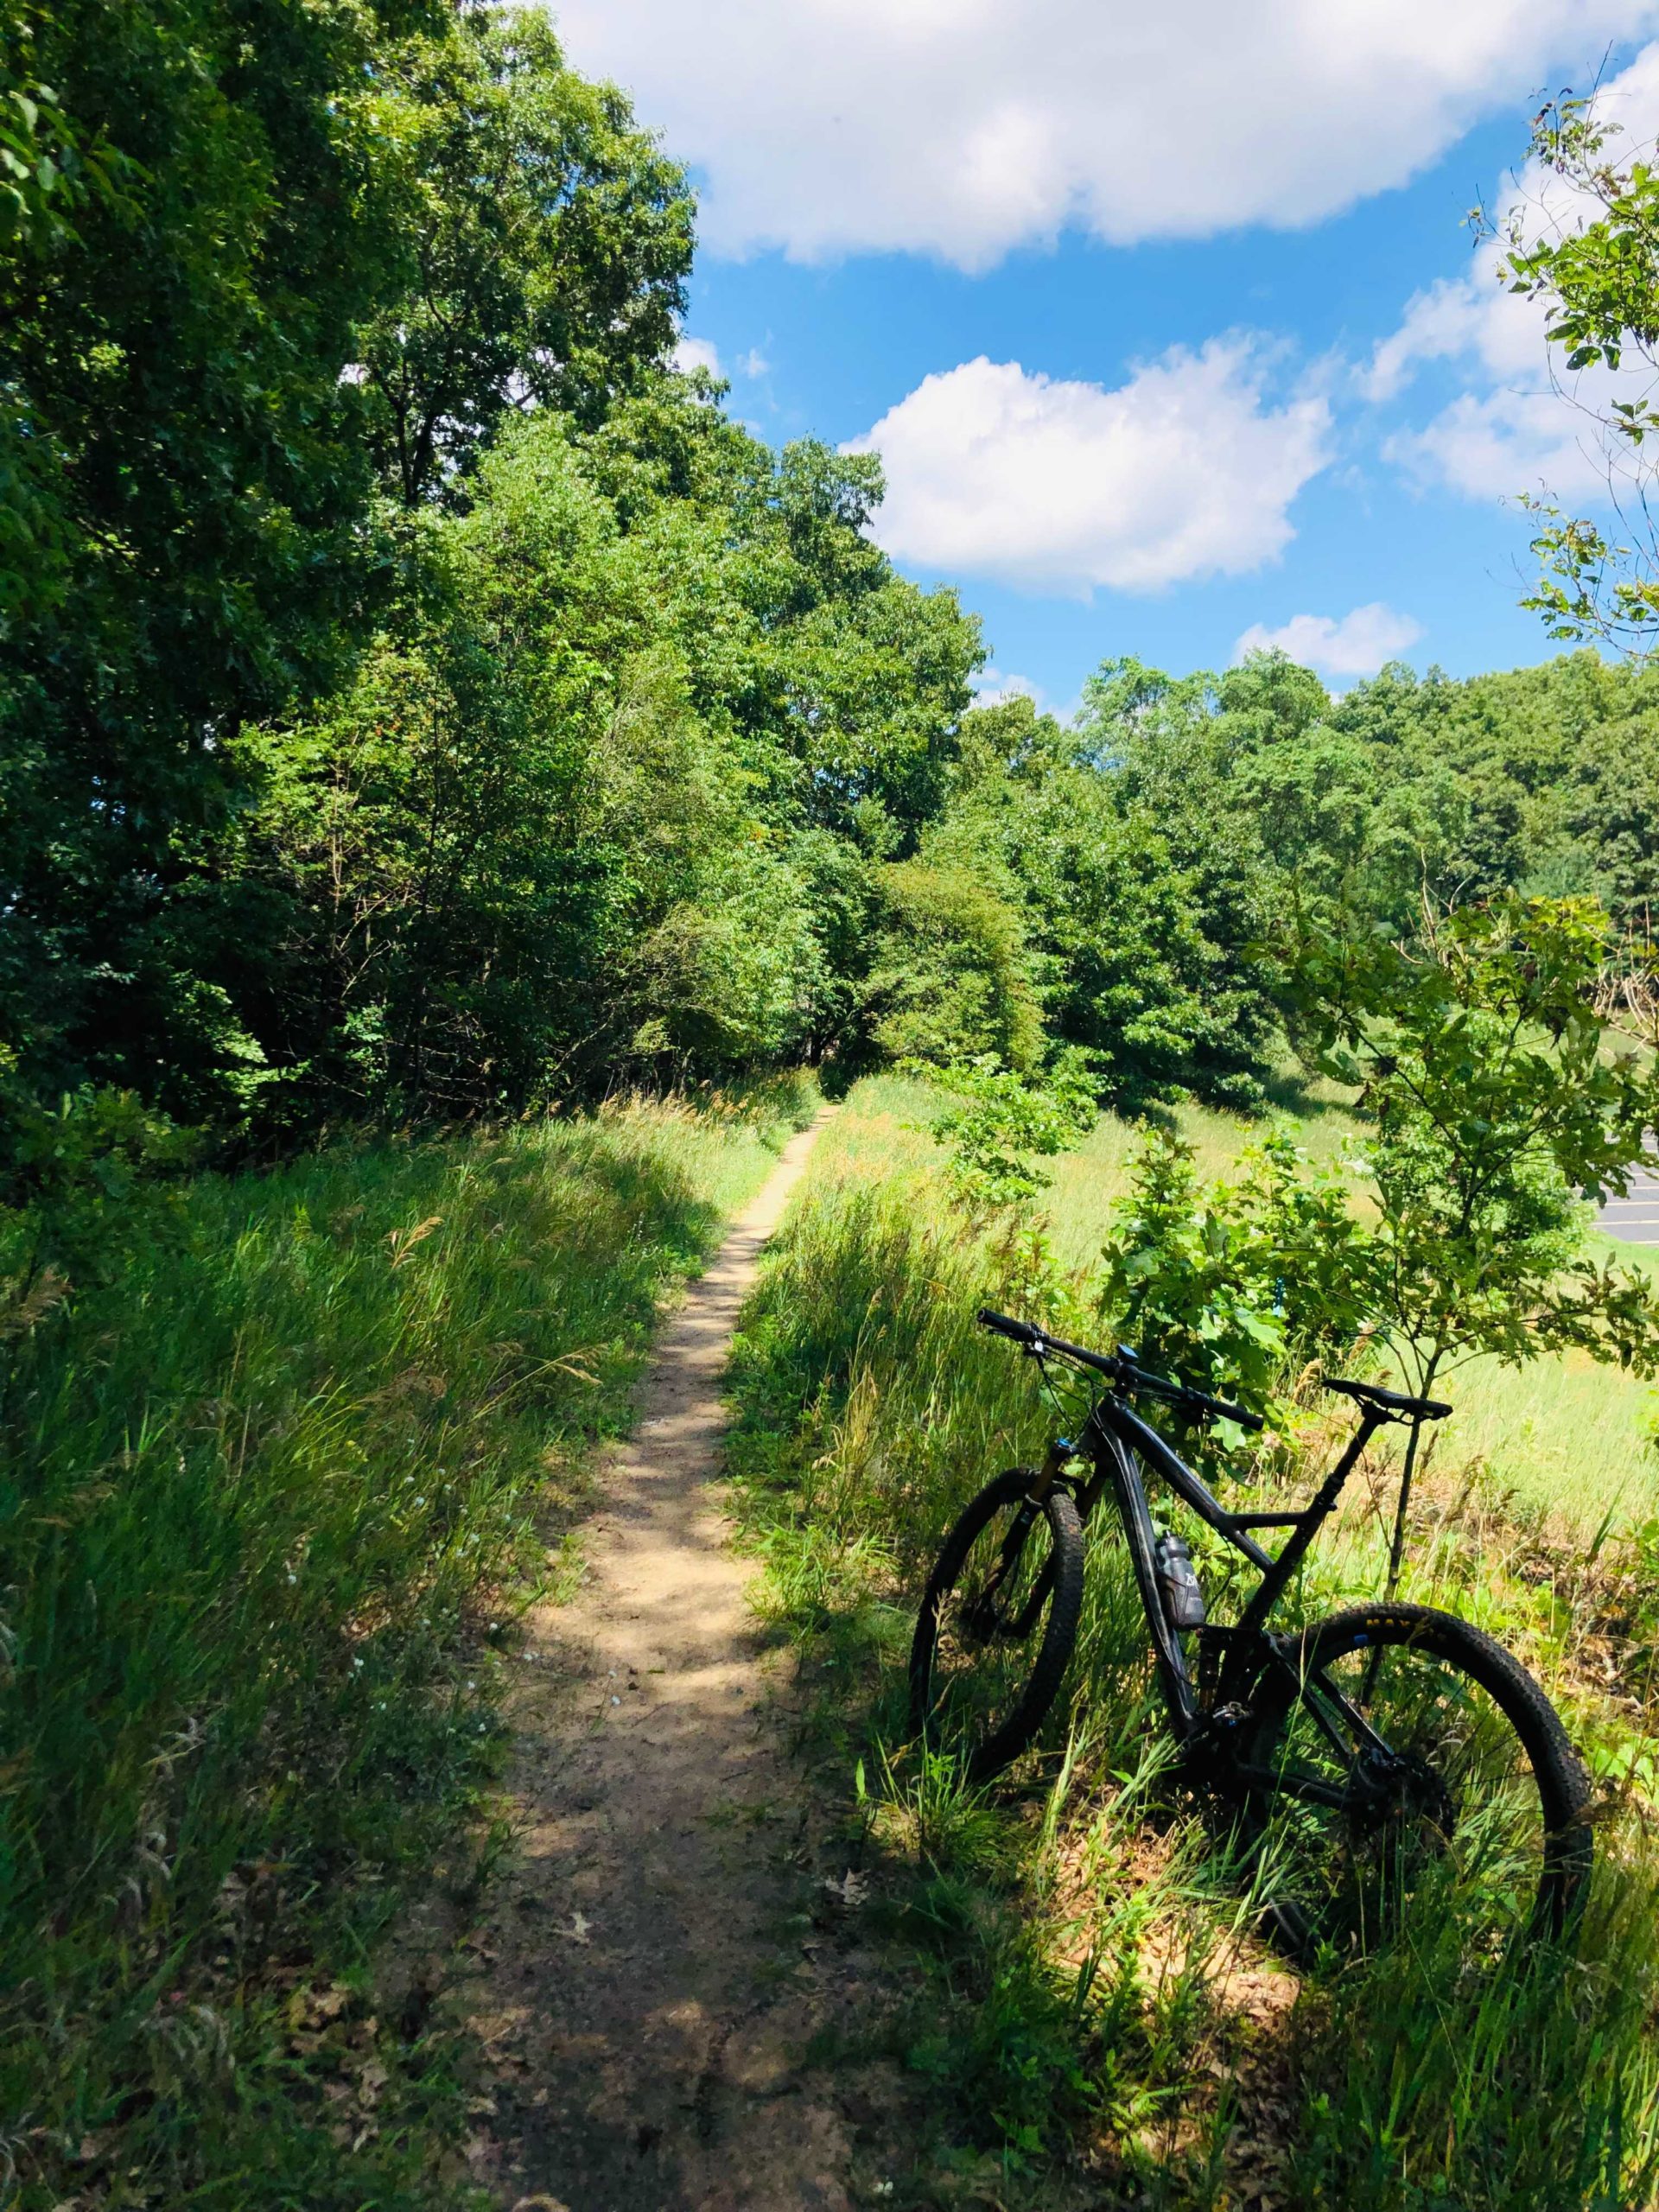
{"x": 1121, "y": 1367}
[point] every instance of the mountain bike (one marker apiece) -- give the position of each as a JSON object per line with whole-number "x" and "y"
{"x": 1364, "y": 1761}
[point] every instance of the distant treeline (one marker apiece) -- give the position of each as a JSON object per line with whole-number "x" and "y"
{"x": 417, "y": 699}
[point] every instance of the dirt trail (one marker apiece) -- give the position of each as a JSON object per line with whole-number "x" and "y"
{"x": 654, "y": 1974}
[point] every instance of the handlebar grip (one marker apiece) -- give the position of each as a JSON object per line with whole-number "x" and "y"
{"x": 1002, "y": 1325}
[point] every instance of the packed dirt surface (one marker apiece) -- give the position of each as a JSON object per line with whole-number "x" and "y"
{"x": 665, "y": 1949}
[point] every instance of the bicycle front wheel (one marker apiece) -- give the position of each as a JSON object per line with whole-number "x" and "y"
{"x": 1406, "y": 1764}
{"x": 997, "y": 1623}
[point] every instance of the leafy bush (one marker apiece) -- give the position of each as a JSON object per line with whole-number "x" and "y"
{"x": 998, "y": 1119}
{"x": 1496, "y": 1096}
{"x": 1236, "y": 1286}
{"x": 950, "y": 977}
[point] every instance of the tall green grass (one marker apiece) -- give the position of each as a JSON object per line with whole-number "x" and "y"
{"x": 1092, "y": 1984}
{"x": 268, "y": 1502}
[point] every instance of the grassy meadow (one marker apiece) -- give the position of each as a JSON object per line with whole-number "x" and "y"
{"x": 273, "y": 1481}
{"x": 1564, "y": 1436}
{"x": 1093, "y": 2003}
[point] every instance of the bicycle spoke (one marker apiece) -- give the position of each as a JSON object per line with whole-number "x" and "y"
{"x": 1398, "y": 1785}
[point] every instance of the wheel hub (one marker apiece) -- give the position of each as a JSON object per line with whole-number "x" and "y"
{"x": 1391, "y": 1789}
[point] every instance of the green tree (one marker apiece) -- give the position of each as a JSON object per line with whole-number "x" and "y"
{"x": 1596, "y": 273}
{"x": 1149, "y": 923}
{"x": 1407, "y": 787}
{"x": 47, "y": 174}
{"x": 515, "y": 856}
{"x": 847, "y": 684}
{"x": 547, "y": 241}
{"x": 1498, "y": 1106}
{"x": 173, "y": 350}
{"x": 950, "y": 980}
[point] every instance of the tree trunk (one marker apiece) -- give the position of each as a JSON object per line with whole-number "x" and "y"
{"x": 1396, "y": 1549}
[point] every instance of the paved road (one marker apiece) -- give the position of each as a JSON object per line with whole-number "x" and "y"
{"x": 1635, "y": 1218}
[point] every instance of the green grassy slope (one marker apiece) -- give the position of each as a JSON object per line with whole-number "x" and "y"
{"x": 1090, "y": 1996}
{"x": 266, "y": 1495}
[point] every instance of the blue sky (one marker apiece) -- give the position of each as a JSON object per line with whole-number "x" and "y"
{"x": 1190, "y": 341}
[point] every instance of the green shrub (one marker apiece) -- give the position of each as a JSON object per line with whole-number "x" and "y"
{"x": 998, "y": 1118}
{"x": 950, "y": 979}
{"x": 1236, "y": 1286}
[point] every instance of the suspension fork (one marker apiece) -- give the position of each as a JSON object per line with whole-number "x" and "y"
{"x": 1059, "y": 1456}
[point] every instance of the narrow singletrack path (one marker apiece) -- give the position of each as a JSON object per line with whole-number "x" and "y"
{"x": 656, "y": 1965}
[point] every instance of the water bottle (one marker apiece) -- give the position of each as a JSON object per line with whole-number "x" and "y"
{"x": 1177, "y": 1583}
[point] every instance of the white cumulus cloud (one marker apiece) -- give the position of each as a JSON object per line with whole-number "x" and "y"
{"x": 1518, "y": 425}
{"x": 992, "y": 686}
{"x": 697, "y": 353}
{"x": 1491, "y": 445}
{"x": 1357, "y": 645}
{"x": 1185, "y": 470}
{"x": 964, "y": 128}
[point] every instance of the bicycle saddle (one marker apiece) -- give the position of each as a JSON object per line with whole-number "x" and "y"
{"x": 1393, "y": 1405}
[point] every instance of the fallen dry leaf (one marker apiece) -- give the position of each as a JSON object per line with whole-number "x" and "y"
{"x": 851, "y": 1890}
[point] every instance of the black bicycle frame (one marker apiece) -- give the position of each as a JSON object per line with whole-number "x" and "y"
{"x": 1113, "y": 1438}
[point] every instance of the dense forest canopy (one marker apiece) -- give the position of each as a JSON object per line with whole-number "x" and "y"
{"x": 418, "y": 698}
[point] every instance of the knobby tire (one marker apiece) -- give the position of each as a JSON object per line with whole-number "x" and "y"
{"x": 997, "y": 1751}
{"x": 1562, "y": 1785}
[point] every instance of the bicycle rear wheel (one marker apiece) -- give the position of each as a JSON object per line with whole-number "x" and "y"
{"x": 997, "y": 1623}
{"x": 1406, "y": 1764}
